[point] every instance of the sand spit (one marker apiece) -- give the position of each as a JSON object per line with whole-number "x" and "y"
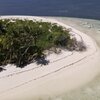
{"x": 66, "y": 71}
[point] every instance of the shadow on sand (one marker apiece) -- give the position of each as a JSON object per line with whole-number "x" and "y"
{"x": 42, "y": 61}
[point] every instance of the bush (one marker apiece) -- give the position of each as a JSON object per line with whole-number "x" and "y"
{"x": 21, "y": 41}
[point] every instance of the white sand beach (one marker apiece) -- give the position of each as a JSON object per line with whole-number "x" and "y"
{"x": 65, "y": 72}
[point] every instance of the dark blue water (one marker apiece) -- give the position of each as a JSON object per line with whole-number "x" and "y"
{"x": 66, "y": 8}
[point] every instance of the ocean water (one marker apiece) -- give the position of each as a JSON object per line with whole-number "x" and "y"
{"x": 67, "y": 8}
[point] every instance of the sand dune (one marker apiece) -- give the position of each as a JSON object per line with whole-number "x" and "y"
{"x": 66, "y": 71}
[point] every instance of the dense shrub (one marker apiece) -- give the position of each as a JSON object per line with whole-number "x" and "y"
{"x": 21, "y": 41}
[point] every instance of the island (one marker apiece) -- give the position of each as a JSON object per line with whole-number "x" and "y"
{"x": 40, "y": 56}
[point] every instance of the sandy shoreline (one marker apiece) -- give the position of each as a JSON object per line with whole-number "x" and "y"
{"x": 66, "y": 74}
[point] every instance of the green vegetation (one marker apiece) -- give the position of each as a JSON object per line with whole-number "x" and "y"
{"x": 22, "y": 41}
